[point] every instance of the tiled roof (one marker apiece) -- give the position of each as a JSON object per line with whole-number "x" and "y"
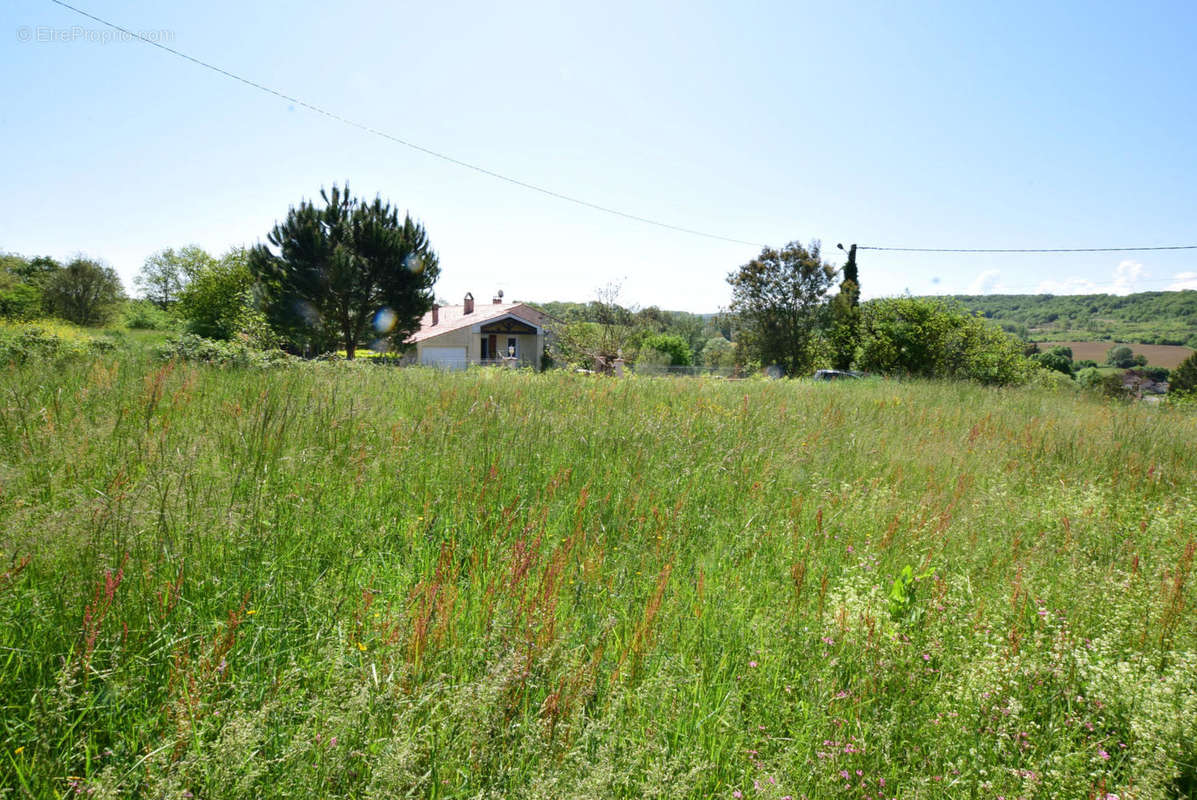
{"x": 451, "y": 318}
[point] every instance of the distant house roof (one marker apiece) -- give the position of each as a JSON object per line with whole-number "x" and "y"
{"x": 451, "y": 318}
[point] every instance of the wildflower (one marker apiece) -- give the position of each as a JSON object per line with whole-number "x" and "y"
{"x": 361, "y": 647}
{"x": 752, "y": 664}
{"x": 1104, "y": 755}
{"x": 251, "y": 612}
{"x": 332, "y": 742}
{"x": 19, "y": 750}
{"x": 737, "y": 793}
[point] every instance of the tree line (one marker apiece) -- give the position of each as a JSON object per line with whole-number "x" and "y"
{"x": 333, "y": 274}
{"x": 341, "y": 272}
{"x": 1143, "y": 318}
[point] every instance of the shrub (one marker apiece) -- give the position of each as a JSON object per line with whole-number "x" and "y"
{"x": 675, "y": 349}
{"x": 931, "y": 338}
{"x": 144, "y": 315}
{"x": 1156, "y": 373}
{"x": 1184, "y": 377}
{"x": 1089, "y": 377}
{"x": 1058, "y": 359}
{"x": 235, "y": 353}
{"x": 20, "y": 344}
{"x": 20, "y": 301}
{"x": 1120, "y": 356}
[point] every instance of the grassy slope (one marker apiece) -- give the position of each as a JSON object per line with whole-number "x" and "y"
{"x": 1144, "y": 317}
{"x": 351, "y": 581}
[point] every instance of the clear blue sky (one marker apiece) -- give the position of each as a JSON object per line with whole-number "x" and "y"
{"x": 939, "y": 124}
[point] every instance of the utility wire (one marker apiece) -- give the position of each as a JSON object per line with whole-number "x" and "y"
{"x": 549, "y": 192}
{"x": 1023, "y": 250}
{"x": 383, "y": 134}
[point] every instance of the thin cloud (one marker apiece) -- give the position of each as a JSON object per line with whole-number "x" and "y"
{"x": 1125, "y": 280}
{"x": 1068, "y": 286}
{"x": 1182, "y": 281}
{"x": 1126, "y": 275}
{"x": 988, "y": 282}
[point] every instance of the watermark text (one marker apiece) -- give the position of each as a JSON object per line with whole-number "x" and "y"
{"x": 46, "y": 34}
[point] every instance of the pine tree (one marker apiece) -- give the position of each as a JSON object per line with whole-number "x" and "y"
{"x": 344, "y": 273}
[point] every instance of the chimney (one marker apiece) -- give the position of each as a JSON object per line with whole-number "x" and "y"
{"x": 469, "y": 304}
{"x": 436, "y": 313}
{"x": 498, "y": 298}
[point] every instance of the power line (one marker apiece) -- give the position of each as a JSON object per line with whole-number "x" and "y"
{"x": 383, "y": 134}
{"x": 549, "y": 192}
{"x": 1025, "y": 250}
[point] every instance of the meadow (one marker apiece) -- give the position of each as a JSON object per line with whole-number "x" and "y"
{"x": 345, "y": 580}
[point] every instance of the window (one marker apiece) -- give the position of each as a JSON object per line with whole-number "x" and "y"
{"x": 512, "y": 346}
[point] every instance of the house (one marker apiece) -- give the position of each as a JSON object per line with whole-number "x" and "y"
{"x": 495, "y": 333}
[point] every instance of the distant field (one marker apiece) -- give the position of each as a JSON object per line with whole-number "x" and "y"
{"x": 1158, "y": 355}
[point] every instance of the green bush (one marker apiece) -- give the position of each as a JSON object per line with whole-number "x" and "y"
{"x": 32, "y": 343}
{"x": 1120, "y": 356}
{"x": 673, "y": 346}
{"x": 1156, "y": 373}
{"x": 144, "y": 315}
{"x": 1184, "y": 377}
{"x": 1089, "y": 377}
{"x": 20, "y": 301}
{"x": 932, "y": 338}
{"x": 235, "y": 353}
{"x": 1058, "y": 359}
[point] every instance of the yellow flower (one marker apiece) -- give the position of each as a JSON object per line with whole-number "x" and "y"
{"x": 361, "y": 647}
{"x": 251, "y": 612}
{"x": 19, "y": 750}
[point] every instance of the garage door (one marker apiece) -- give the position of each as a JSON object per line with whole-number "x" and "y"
{"x": 446, "y": 357}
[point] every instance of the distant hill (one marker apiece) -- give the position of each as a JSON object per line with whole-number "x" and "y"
{"x": 1146, "y": 317}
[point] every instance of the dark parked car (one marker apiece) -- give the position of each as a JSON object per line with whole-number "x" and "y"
{"x": 835, "y": 375}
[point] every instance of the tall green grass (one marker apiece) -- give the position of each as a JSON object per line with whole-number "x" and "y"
{"x": 344, "y": 580}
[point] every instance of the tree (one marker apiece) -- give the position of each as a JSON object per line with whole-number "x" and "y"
{"x": 930, "y": 338}
{"x": 18, "y": 299}
{"x": 604, "y": 332}
{"x": 1057, "y": 358}
{"x": 718, "y": 353}
{"x": 218, "y": 301}
{"x": 1183, "y": 379}
{"x": 845, "y": 316}
{"x": 675, "y": 349}
{"x": 1120, "y": 356}
{"x": 778, "y": 298}
{"x": 338, "y": 273}
{"x": 85, "y": 292}
{"x": 166, "y": 272}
